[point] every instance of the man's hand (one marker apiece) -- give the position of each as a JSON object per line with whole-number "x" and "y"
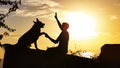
{"x": 55, "y": 14}
{"x": 46, "y": 35}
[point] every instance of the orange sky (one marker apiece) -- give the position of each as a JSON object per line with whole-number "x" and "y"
{"x": 106, "y": 13}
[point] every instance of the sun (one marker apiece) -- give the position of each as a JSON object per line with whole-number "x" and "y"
{"x": 82, "y": 26}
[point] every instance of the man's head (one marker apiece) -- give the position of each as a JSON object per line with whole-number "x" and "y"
{"x": 65, "y": 26}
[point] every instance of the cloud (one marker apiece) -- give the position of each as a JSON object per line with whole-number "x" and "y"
{"x": 42, "y": 8}
{"x": 3, "y": 10}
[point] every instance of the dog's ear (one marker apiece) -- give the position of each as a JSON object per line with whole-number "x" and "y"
{"x": 37, "y": 20}
{"x": 34, "y": 21}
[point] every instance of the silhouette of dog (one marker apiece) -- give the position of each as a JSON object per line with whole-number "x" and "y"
{"x": 31, "y": 35}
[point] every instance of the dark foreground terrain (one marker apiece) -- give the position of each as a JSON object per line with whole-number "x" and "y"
{"x": 16, "y": 57}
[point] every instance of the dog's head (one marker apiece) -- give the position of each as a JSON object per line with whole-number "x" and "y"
{"x": 39, "y": 23}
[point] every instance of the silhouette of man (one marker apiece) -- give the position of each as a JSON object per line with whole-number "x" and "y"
{"x": 63, "y": 38}
{"x": 57, "y": 59}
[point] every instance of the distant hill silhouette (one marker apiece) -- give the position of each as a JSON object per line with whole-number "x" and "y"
{"x": 110, "y": 56}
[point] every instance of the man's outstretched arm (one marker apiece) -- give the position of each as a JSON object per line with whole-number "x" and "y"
{"x": 59, "y": 24}
{"x": 54, "y": 41}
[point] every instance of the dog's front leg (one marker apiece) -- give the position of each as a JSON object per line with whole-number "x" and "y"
{"x": 35, "y": 43}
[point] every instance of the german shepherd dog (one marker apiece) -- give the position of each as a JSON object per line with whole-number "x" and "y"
{"x": 32, "y": 35}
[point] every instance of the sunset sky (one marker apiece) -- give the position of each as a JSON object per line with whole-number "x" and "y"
{"x": 93, "y": 23}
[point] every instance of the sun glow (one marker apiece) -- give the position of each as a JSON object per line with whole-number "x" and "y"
{"x": 82, "y": 26}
